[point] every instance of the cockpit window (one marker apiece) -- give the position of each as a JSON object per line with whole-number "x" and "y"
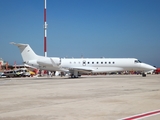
{"x": 137, "y": 61}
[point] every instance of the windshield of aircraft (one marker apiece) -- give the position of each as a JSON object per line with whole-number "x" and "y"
{"x": 137, "y": 61}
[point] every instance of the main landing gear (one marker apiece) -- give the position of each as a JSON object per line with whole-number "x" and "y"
{"x": 75, "y": 74}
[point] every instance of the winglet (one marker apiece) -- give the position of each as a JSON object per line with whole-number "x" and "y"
{"x": 53, "y": 63}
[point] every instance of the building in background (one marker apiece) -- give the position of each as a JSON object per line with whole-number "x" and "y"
{"x": 1, "y": 61}
{"x": 4, "y": 65}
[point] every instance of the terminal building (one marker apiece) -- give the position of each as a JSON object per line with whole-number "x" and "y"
{"x": 4, "y": 65}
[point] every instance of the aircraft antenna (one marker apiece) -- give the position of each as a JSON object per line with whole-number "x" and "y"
{"x": 45, "y": 29}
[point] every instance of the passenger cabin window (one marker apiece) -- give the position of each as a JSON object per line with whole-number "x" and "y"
{"x": 101, "y": 62}
{"x": 105, "y": 62}
{"x": 109, "y": 62}
{"x": 92, "y": 62}
{"x": 88, "y": 62}
{"x": 97, "y": 62}
{"x": 113, "y": 62}
{"x": 84, "y": 62}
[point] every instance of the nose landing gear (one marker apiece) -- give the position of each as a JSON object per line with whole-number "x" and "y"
{"x": 143, "y": 75}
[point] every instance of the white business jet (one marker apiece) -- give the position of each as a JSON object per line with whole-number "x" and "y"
{"x": 77, "y": 66}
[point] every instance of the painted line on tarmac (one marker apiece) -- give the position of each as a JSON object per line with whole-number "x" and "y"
{"x": 142, "y": 115}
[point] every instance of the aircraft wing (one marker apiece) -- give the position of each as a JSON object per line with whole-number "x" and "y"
{"x": 85, "y": 70}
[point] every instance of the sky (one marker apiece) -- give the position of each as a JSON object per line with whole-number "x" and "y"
{"x": 88, "y": 28}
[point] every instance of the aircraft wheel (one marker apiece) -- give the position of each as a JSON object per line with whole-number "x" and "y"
{"x": 143, "y": 75}
{"x": 73, "y": 76}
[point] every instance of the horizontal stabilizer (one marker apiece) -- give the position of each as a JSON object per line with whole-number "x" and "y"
{"x": 18, "y": 44}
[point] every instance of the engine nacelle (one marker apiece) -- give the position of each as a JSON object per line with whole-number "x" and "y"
{"x": 31, "y": 63}
{"x": 56, "y": 60}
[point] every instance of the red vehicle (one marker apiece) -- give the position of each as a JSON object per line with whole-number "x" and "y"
{"x": 157, "y": 71}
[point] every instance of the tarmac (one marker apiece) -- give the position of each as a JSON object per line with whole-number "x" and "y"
{"x": 101, "y": 97}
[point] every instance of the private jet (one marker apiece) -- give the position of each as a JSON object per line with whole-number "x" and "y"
{"x": 76, "y": 66}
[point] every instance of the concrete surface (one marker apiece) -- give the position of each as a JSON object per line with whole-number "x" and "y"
{"x": 110, "y": 97}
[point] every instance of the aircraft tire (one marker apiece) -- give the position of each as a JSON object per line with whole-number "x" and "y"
{"x": 143, "y": 75}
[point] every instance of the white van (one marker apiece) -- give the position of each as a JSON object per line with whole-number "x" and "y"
{"x": 23, "y": 72}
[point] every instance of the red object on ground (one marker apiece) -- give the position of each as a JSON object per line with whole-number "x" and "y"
{"x": 157, "y": 71}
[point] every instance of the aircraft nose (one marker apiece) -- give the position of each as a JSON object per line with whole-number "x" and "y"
{"x": 148, "y": 67}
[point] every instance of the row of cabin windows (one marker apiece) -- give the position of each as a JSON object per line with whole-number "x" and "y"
{"x": 101, "y": 62}
{"x": 95, "y": 62}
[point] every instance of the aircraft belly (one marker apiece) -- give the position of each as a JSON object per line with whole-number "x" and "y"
{"x": 107, "y": 69}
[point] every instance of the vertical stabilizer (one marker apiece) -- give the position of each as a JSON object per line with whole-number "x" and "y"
{"x": 26, "y": 51}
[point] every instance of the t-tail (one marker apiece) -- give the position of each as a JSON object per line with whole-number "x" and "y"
{"x": 26, "y": 51}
